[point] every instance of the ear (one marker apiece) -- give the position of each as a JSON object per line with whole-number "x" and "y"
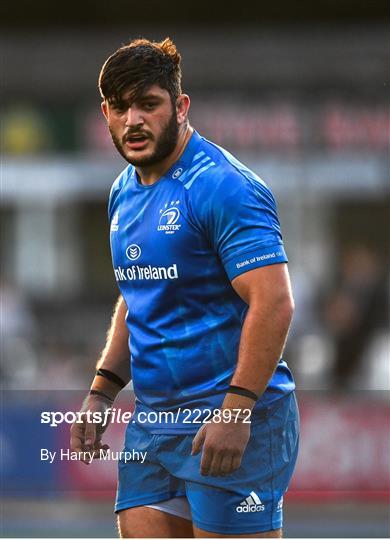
{"x": 182, "y": 108}
{"x": 104, "y": 109}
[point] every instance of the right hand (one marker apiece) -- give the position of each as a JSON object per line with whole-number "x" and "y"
{"x": 87, "y": 436}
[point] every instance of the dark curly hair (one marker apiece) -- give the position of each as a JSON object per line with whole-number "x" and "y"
{"x": 139, "y": 65}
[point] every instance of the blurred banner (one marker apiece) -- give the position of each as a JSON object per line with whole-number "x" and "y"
{"x": 345, "y": 448}
{"x": 263, "y": 125}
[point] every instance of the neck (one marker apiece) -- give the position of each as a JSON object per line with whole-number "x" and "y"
{"x": 150, "y": 175}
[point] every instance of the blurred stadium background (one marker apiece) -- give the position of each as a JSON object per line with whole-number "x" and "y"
{"x": 302, "y": 96}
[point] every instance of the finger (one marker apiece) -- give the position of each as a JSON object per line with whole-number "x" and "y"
{"x": 215, "y": 467}
{"x": 226, "y": 466}
{"x": 236, "y": 462}
{"x": 97, "y": 453}
{"x": 207, "y": 458}
{"x": 84, "y": 458}
{"x": 99, "y": 447}
{"x": 76, "y": 444}
{"x": 198, "y": 441}
{"x": 93, "y": 454}
{"x": 89, "y": 434}
{"x": 76, "y": 439}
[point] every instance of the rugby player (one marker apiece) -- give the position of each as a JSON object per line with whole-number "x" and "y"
{"x": 201, "y": 322}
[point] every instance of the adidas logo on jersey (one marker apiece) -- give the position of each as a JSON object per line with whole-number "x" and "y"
{"x": 252, "y": 503}
{"x": 115, "y": 221}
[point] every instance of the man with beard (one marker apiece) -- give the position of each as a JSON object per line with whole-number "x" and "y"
{"x": 201, "y": 321}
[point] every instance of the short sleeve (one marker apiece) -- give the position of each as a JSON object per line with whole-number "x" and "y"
{"x": 241, "y": 220}
{"x": 114, "y": 192}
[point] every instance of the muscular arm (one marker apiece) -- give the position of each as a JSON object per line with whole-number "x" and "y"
{"x": 116, "y": 355}
{"x": 267, "y": 292}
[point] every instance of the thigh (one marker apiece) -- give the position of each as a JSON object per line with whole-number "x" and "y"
{"x": 145, "y": 522}
{"x": 200, "y": 533}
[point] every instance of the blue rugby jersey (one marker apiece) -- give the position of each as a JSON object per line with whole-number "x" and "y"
{"x": 176, "y": 245}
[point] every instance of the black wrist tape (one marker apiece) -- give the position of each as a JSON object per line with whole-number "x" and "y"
{"x": 101, "y": 394}
{"x": 111, "y": 377}
{"x": 242, "y": 392}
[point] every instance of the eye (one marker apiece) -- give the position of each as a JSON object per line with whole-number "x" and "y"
{"x": 118, "y": 108}
{"x": 149, "y": 106}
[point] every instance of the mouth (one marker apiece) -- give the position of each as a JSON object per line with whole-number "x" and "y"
{"x": 136, "y": 142}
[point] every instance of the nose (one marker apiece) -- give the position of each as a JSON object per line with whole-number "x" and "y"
{"x": 133, "y": 117}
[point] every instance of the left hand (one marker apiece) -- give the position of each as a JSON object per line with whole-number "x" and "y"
{"x": 223, "y": 444}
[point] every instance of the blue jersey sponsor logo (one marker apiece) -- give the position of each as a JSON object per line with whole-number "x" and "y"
{"x": 133, "y": 252}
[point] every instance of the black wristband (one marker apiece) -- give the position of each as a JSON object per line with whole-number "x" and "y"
{"x": 242, "y": 392}
{"x": 111, "y": 377}
{"x": 101, "y": 394}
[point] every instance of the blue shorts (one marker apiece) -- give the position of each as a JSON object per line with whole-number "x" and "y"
{"x": 248, "y": 501}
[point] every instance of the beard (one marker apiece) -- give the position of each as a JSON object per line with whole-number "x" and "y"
{"x": 164, "y": 144}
